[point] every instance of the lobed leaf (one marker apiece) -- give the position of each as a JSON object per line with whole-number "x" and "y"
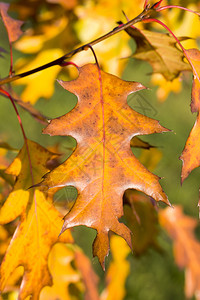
{"x": 102, "y": 166}
{"x": 160, "y": 51}
{"x": 39, "y": 224}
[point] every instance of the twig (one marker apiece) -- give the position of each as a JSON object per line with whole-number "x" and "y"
{"x": 60, "y": 61}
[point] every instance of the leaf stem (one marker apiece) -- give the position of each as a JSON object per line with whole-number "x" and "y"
{"x": 11, "y": 60}
{"x": 22, "y": 129}
{"x": 180, "y": 7}
{"x": 59, "y": 61}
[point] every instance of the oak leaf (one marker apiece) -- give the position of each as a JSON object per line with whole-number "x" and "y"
{"x": 160, "y": 51}
{"x": 13, "y": 27}
{"x": 191, "y": 153}
{"x": 186, "y": 247}
{"x": 39, "y": 224}
{"x": 102, "y": 166}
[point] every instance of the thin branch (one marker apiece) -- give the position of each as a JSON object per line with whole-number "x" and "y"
{"x": 60, "y": 61}
{"x": 180, "y": 7}
{"x": 22, "y": 129}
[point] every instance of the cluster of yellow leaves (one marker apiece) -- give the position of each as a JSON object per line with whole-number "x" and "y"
{"x": 94, "y": 20}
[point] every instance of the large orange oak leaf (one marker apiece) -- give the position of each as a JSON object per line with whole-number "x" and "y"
{"x": 181, "y": 228}
{"x": 160, "y": 50}
{"x": 191, "y": 153}
{"x": 13, "y": 27}
{"x": 39, "y": 224}
{"x": 102, "y": 166}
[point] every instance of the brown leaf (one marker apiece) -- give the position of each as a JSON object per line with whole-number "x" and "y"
{"x": 13, "y": 27}
{"x": 186, "y": 247}
{"x": 142, "y": 218}
{"x": 102, "y": 167}
{"x": 138, "y": 143}
{"x": 39, "y": 225}
{"x": 160, "y": 51}
{"x": 191, "y": 153}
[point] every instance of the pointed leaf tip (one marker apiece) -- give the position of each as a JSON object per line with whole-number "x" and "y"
{"x": 103, "y": 124}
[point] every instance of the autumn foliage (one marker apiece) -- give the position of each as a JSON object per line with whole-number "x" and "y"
{"x": 115, "y": 190}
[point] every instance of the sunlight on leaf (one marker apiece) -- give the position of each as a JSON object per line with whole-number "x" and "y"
{"x": 39, "y": 225}
{"x": 103, "y": 133}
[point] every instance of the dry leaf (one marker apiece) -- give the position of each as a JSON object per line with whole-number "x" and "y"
{"x": 191, "y": 153}
{"x": 160, "y": 51}
{"x": 142, "y": 219}
{"x": 13, "y": 27}
{"x": 102, "y": 167}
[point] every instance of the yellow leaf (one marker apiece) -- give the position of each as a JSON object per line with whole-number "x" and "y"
{"x": 118, "y": 270}
{"x": 39, "y": 225}
{"x": 40, "y": 84}
{"x": 63, "y": 273}
{"x": 165, "y": 87}
{"x": 95, "y": 19}
{"x": 31, "y": 43}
